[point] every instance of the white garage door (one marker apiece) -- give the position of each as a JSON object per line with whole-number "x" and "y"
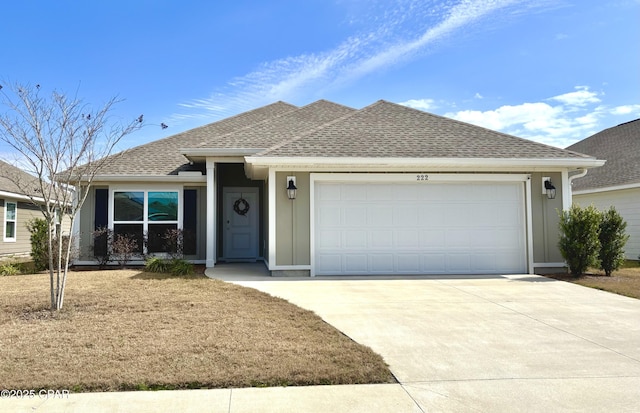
{"x": 419, "y": 228}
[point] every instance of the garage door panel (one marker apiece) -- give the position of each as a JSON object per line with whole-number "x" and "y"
{"x": 330, "y": 217}
{"x": 381, "y": 192}
{"x": 354, "y": 216}
{"x": 380, "y": 216}
{"x": 406, "y": 216}
{"x": 356, "y": 239}
{"x": 354, "y": 193}
{"x": 329, "y": 239}
{"x": 407, "y": 239}
{"x": 432, "y": 238}
{"x": 356, "y": 263}
{"x": 330, "y": 263}
{"x": 423, "y": 228}
{"x": 458, "y": 263}
{"x": 381, "y": 239}
{"x": 381, "y": 263}
{"x": 408, "y": 263}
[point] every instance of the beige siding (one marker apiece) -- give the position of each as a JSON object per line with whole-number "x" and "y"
{"x": 22, "y": 245}
{"x": 627, "y": 203}
{"x": 293, "y": 221}
{"x": 545, "y": 219}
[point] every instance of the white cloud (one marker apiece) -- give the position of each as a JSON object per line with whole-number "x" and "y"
{"x": 560, "y": 120}
{"x": 422, "y": 104}
{"x": 386, "y": 45}
{"x": 581, "y": 97}
{"x": 478, "y": 96}
{"x": 626, "y": 110}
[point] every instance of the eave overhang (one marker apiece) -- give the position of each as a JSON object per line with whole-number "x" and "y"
{"x": 257, "y": 165}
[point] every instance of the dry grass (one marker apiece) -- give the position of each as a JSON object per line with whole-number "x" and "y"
{"x": 126, "y": 329}
{"x": 625, "y": 281}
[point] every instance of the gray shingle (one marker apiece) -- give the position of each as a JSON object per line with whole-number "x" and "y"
{"x": 386, "y": 129}
{"x": 620, "y": 146}
{"x": 13, "y": 179}
{"x": 280, "y": 128}
{"x": 163, "y": 157}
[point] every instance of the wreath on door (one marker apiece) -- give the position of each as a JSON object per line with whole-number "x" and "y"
{"x": 241, "y": 206}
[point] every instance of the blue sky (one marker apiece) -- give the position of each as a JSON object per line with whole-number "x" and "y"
{"x": 555, "y": 71}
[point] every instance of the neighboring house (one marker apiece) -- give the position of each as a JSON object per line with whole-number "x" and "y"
{"x": 617, "y": 183}
{"x": 382, "y": 190}
{"x": 16, "y": 210}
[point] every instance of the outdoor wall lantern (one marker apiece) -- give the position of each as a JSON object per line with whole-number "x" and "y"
{"x": 291, "y": 187}
{"x": 549, "y": 189}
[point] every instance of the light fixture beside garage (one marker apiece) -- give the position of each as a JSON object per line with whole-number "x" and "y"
{"x": 291, "y": 187}
{"x": 548, "y": 188}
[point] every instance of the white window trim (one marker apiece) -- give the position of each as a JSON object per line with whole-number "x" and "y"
{"x": 14, "y": 220}
{"x": 145, "y": 190}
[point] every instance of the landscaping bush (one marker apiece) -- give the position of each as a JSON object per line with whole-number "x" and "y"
{"x": 39, "y": 243}
{"x": 181, "y": 267}
{"x": 9, "y": 268}
{"x": 612, "y": 241}
{"x": 155, "y": 264}
{"x": 579, "y": 242}
{"x": 123, "y": 248}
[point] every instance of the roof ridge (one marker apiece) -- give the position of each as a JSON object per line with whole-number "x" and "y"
{"x": 268, "y": 120}
{"x": 310, "y": 131}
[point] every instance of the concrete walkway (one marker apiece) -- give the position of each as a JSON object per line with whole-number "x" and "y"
{"x": 495, "y": 344}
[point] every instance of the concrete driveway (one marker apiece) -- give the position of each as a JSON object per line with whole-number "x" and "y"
{"x": 504, "y": 343}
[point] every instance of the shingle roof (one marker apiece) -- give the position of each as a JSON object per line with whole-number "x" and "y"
{"x": 620, "y": 146}
{"x": 327, "y": 129}
{"x": 280, "y": 128}
{"x": 387, "y": 129}
{"x": 12, "y": 179}
{"x": 163, "y": 157}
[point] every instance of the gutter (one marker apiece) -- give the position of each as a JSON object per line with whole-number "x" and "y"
{"x": 580, "y": 175}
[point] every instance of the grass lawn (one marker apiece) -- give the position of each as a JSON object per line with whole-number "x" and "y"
{"x": 126, "y": 330}
{"x": 625, "y": 281}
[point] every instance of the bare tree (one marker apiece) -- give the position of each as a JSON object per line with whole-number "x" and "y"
{"x": 64, "y": 144}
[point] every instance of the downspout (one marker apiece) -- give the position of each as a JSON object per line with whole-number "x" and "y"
{"x": 571, "y": 178}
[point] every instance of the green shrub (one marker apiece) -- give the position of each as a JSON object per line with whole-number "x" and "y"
{"x": 9, "y": 268}
{"x": 181, "y": 267}
{"x": 155, "y": 264}
{"x": 612, "y": 241}
{"x": 39, "y": 243}
{"x": 579, "y": 243}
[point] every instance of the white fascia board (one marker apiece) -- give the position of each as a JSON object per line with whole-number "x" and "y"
{"x": 607, "y": 189}
{"x": 493, "y": 164}
{"x": 412, "y": 177}
{"x": 19, "y": 197}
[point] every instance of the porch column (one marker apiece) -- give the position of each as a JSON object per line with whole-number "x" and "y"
{"x": 211, "y": 213}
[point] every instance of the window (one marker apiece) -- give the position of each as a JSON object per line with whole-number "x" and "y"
{"x": 152, "y": 212}
{"x": 10, "y": 212}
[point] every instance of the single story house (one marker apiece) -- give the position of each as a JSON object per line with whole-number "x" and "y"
{"x": 617, "y": 183}
{"x": 16, "y": 210}
{"x": 326, "y": 189}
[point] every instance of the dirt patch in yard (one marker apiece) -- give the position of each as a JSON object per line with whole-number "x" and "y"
{"x": 126, "y": 329}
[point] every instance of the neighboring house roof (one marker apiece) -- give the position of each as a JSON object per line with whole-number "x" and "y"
{"x": 620, "y": 146}
{"x": 15, "y": 181}
{"x": 327, "y": 130}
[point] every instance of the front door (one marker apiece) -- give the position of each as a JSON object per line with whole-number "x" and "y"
{"x": 240, "y": 223}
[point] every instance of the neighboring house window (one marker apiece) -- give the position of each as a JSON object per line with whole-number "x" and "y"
{"x": 153, "y": 213}
{"x": 10, "y": 215}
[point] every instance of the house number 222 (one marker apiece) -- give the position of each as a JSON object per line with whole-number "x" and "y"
{"x": 422, "y": 177}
